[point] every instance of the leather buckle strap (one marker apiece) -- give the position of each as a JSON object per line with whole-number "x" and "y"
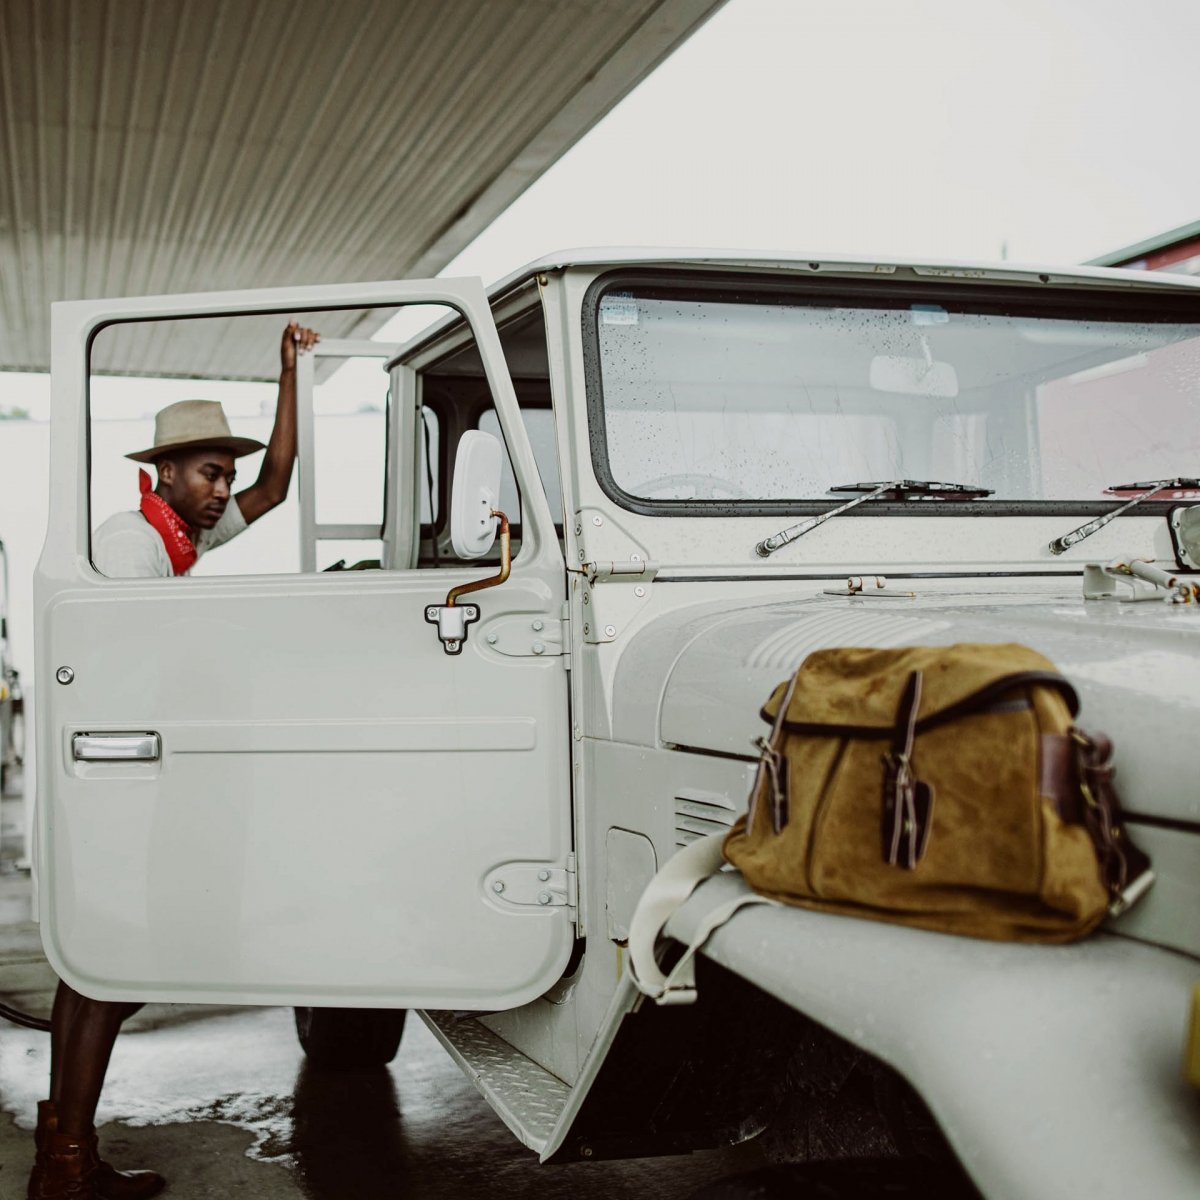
{"x": 772, "y": 771}
{"x": 1124, "y": 869}
{"x": 907, "y": 800}
{"x": 774, "y": 768}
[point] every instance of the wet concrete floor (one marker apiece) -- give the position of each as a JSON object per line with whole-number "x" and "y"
{"x": 223, "y": 1103}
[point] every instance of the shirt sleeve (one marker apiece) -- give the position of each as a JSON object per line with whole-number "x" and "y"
{"x": 131, "y": 554}
{"x": 229, "y": 526}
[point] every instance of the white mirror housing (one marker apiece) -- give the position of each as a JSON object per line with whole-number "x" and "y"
{"x": 475, "y": 494}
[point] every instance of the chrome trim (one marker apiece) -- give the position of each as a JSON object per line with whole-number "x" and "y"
{"x": 116, "y": 747}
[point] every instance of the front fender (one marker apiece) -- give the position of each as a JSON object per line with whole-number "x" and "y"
{"x": 1052, "y": 1070}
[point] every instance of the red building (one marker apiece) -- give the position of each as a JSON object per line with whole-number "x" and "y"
{"x": 1177, "y": 250}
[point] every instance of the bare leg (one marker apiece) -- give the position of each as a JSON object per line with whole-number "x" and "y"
{"x": 65, "y": 1006}
{"x": 82, "y": 1036}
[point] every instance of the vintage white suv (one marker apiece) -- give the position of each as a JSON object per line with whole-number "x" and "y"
{"x": 368, "y": 790}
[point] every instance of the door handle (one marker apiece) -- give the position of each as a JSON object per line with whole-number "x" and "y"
{"x": 116, "y": 747}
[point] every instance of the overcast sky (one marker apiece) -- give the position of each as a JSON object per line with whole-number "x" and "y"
{"x": 894, "y": 127}
{"x": 932, "y": 128}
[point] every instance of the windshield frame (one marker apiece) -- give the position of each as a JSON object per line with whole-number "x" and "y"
{"x": 1087, "y": 300}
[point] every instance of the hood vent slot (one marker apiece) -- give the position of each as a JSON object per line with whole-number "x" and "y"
{"x": 699, "y": 813}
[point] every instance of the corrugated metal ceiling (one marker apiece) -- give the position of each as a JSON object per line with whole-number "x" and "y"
{"x": 183, "y": 145}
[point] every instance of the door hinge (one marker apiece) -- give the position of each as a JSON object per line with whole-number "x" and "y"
{"x": 533, "y": 885}
{"x": 572, "y": 882}
{"x": 608, "y": 610}
{"x": 635, "y": 567}
{"x": 529, "y": 635}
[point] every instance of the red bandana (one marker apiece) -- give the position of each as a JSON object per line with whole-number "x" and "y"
{"x": 181, "y": 550}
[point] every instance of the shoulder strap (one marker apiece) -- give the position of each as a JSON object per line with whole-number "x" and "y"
{"x": 665, "y": 893}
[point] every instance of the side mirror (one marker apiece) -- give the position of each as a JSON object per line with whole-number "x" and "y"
{"x": 474, "y": 522}
{"x": 475, "y": 494}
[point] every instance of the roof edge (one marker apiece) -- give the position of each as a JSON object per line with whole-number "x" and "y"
{"x": 616, "y": 257}
{"x": 1160, "y": 241}
{"x": 622, "y": 256}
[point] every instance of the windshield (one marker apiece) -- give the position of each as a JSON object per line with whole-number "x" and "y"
{"x": 719, "y": 397}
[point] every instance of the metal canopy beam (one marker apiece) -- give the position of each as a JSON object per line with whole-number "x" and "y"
{"x": 151, "y": 146}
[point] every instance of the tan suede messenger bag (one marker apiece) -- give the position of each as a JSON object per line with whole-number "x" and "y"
{"x": 939, "y": 786}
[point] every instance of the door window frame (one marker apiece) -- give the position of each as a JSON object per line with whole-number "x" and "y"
{"x": 76, "y": 324}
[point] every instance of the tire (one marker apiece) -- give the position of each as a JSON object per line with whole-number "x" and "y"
{"x": 350, "y": 1039}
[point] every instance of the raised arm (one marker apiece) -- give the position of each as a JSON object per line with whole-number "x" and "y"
{"x": 275, "y": 476}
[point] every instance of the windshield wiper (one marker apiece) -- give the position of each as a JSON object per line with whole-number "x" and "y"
{"x": 1151, "y": 488}
{"x": 917, "y": 489}
{"x": 909, "y": 489}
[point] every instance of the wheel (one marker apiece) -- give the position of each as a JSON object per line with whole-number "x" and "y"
{"x": 348, "y": 1039}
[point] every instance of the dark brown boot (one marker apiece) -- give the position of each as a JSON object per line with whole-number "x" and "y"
{"x": 66, "y": 1170}
{"x": 110, "y": 1184}
{"x": 47, "y": 1123}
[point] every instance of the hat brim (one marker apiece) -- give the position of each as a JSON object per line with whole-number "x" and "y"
{"x": 239, "y": 447}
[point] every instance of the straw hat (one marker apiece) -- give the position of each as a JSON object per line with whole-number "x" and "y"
{"x": 194, "y": 423}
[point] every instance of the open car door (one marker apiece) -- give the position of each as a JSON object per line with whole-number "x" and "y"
{"x": 281, "y": 788}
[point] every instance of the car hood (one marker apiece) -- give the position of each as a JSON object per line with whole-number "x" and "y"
{"x": 697, "y": 677}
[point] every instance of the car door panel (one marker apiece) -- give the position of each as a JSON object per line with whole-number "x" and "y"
{"x": 334, "y": 797}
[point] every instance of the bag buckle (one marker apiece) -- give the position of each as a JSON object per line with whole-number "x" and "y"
{"x": 907, "y": 807}
{"x": 907, "y": 801}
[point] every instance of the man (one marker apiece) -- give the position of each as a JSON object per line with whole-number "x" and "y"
{"x": 191, "y": 511}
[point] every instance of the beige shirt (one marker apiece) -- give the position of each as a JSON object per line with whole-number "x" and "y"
{"x": 127, "y": 546}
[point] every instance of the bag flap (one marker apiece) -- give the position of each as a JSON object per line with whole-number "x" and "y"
{"x": 859, "y": 687}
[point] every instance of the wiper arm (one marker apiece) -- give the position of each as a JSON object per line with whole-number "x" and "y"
{"x": 1152, "y": 488}
{"x": 909, "y": 488}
